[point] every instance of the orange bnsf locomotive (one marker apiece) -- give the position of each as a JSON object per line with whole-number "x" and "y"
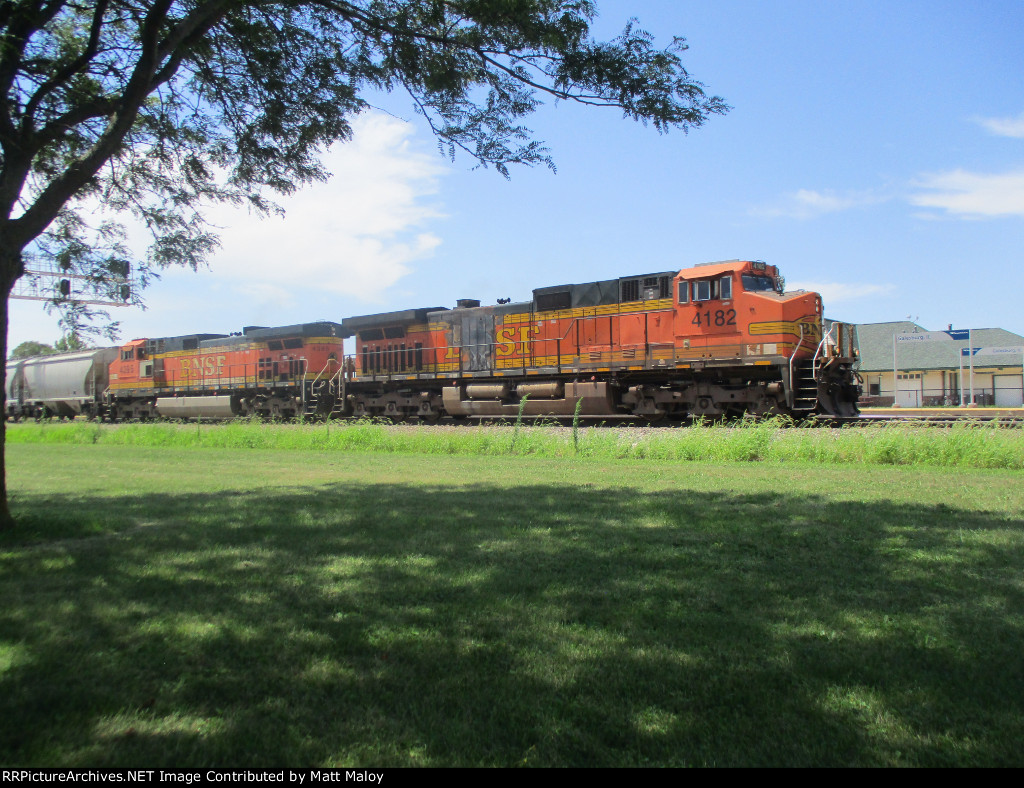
{"x": 718, "y": 339}
{"x": 282, "y": 372}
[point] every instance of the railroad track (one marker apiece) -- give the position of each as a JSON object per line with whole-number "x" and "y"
{"x": 938, "y": 419}
{"x": 932, "y": 417}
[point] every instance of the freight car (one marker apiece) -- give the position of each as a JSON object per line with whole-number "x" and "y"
{"x": 64, "y": 385}
{"x": 718, "y": 339}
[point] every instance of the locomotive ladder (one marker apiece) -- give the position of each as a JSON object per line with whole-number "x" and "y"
{"x": 333, "y": 384}
{"x": 805, "y": 386}
{"x": 806, "y": 375}
{"x": 803, "y": 377}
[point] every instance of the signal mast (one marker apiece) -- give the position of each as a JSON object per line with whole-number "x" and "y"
{"x": 48, "y": 280}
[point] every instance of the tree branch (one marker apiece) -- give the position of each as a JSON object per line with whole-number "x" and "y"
{"x": 72, "y": 68}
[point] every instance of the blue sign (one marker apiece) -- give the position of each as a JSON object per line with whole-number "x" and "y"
{"x": 961, "y": 334}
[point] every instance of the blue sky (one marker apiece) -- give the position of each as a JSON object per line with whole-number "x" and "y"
{"x": 874, "y": 152}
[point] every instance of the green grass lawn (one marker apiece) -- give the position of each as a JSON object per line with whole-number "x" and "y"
{"x": 166, "y": 606}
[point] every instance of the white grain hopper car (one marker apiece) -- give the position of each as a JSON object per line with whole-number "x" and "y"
{"x": 63, "y": 385}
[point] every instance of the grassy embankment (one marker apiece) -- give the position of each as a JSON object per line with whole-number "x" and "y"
{"x": 366, "y": 604}
{"x": 964, "y": 445}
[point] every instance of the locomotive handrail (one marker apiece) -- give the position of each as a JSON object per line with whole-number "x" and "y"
{"x": 302, "y": 385}
{"x": 305, "y": 372}
{"x": 824, "y": 343}
{"x": 792, "y": 358}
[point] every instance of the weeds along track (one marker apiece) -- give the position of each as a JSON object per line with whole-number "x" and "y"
{"x": 960, "y": 444}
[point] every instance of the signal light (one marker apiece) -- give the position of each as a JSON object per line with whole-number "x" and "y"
{"x": 65, "y": 287}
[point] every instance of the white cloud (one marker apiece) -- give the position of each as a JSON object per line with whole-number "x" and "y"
{"x": 810, "y": 204}
{"x": 837, "y": 292}
{"x": 973, "y": 195}
{"x": 357, "y": 234}
{"x": 1004, "y": 127}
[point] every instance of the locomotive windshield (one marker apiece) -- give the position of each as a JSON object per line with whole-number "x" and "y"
{"x": 755, "y": 283}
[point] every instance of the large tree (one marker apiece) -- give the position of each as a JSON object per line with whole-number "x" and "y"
{"x": 32, "y": 348}
{"x": 157, "y": 108}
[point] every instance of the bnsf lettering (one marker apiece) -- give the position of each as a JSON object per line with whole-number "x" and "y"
{"x": 203, "y": 366}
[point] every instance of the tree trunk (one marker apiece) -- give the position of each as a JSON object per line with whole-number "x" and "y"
{"x": 10, "y": 270}
{"x": 6, "y": 521}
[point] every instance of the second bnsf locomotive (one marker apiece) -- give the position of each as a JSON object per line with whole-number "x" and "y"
{"x": 719, "y": 339}
{"x": 269, "y": 372}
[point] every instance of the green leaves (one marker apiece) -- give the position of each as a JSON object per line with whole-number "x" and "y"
{"x": 158, "y": 109}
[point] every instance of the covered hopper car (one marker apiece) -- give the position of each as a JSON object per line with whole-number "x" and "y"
{"x": 63, "y": 385}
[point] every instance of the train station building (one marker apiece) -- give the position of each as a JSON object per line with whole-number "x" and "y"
{"x": 909, "y": 366}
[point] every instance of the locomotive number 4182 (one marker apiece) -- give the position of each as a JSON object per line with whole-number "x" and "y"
{"x": 720, "y": 317}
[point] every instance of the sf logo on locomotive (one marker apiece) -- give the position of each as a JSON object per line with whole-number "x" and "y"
{"x": 507, "y": 340}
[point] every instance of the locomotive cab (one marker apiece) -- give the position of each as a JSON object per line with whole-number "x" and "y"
{"x": 739, "y": 312}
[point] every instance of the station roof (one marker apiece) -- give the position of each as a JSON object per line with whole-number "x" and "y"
{"x": 876, "y": 342}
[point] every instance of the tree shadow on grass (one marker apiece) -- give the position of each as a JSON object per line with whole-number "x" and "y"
{"x": 396, "y": 624}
